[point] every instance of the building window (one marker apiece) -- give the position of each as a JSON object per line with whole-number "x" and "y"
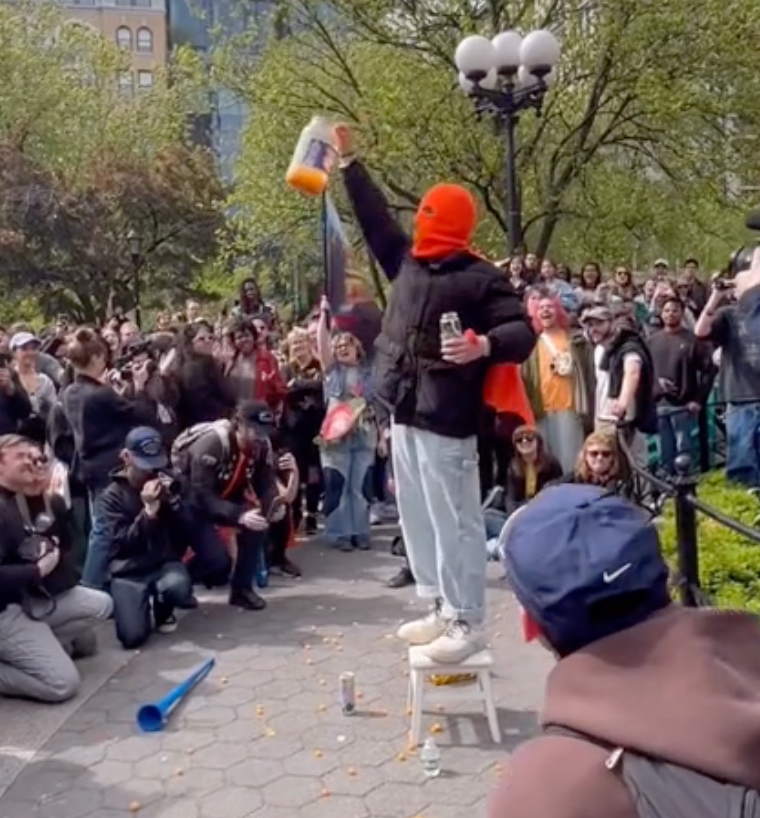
{"x": 124, "y": 37}
{"x": 126, "y": 84}
{"x": 144, "y": 40}
{"x": 145, "y": 79}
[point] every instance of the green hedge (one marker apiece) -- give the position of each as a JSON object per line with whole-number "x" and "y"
{"x": 729, "y": 565}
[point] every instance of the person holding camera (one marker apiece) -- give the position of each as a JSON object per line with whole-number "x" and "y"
{"x": 724, "y": 323}
{"x": 233, "y": 479}
{"x": 46, "y": 618}
{"x": 149, "y": 531}
{"x": 100, "y": 420}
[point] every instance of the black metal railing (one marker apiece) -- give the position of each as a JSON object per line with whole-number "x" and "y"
{"x": 652, "y": 491}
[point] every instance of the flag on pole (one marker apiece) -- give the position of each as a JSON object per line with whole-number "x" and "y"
{"x": 336, "y": 253}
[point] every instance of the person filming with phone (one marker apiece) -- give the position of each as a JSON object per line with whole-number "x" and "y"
{"x": 725, "y": 324}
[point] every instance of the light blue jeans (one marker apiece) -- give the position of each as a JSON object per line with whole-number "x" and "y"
{"x": 347, "y": 468}
{"x": 743, "y": 443}
{"x": 675, "y": 425}
{"x": 438, "y": 496}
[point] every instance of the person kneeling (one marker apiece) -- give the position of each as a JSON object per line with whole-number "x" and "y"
{"x": 46, "y": 618}
{"x": 148, "y": 532}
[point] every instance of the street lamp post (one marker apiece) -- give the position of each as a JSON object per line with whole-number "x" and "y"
{"x": 135, "y": 253}
{"x": 504, "y": 77}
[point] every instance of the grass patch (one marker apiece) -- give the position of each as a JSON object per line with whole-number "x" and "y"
{"x": 729, "y": 564}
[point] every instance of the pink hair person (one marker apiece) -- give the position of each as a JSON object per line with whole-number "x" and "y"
{"x": 562, "y": 318}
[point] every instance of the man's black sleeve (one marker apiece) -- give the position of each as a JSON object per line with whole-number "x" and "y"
{"x": 206, "y": 456}
{"x": 128, "y": 534}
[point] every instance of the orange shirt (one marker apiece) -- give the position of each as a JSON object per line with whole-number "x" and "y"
{"x": 556, "y": 390}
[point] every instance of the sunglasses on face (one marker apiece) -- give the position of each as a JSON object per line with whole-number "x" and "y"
{"x": 525, "y": 440}
{"x": 597, "y": 454}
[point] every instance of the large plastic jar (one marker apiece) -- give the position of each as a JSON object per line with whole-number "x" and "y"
{"x": 313, "y": 158}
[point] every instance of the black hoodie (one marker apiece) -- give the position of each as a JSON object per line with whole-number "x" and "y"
{"x": 141, "y": 544}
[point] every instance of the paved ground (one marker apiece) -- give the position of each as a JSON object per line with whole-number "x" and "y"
{"x": 264, "y": 735}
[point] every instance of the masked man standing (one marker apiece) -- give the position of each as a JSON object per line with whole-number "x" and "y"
{"x": 432, "y": 388}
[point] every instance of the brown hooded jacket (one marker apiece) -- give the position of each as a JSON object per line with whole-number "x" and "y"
{"x": 683, "y": 686}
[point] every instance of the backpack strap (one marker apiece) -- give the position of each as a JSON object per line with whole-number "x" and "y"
{"x": 615, "y": 752}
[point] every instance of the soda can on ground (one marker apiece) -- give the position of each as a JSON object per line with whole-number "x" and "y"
{"x": 347, "y": 688}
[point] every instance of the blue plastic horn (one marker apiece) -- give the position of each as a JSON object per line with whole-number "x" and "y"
{"x": 151, "y": 718}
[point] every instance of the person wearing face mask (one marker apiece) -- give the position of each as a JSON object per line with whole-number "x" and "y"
{"x": 100, "y": 420}
{"x": 430, "y": 376}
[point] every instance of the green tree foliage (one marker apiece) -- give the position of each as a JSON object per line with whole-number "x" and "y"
{"x": 642, "y": 147}
{"x": 83, "y": 164}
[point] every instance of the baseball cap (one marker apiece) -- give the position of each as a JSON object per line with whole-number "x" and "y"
{"x": 584, "y": 564}
{"x": 146, "y": 448}
{"x": 661, "y": 262}
{"x": 596, "y": 313}
{"x": 257, "y": 414}
{"x": 21, "y": 339}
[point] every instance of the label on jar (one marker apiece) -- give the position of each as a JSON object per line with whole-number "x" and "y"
{"x": 319, "y": 155}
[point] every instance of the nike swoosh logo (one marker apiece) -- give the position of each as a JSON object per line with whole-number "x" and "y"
{"x": 612, "y": 576}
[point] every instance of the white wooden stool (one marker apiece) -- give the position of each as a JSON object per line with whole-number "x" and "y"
{"x": 479, "y": 665}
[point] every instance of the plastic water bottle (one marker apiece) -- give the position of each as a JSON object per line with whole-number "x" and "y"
{"x": 430, "y": 756}
{"x": 313, "y": 158}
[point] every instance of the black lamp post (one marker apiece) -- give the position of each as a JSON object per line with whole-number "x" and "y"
{"x": 504, "y": 77}
{"x": 135, "y": 253}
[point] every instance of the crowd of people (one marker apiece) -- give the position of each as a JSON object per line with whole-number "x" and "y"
{"x": 194, "y": 453}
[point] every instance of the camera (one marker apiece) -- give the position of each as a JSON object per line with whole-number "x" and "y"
{"x": 170, "y": 485}
{"x": 125, "y": 363}
{"x": 39, "y": 540}
{"x": 740, "y": 259}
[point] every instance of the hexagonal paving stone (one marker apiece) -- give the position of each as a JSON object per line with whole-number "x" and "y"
{"x": 209, "y": 717}
{"x": 240, "y": 731}
{"x": 314, "y": 762}
{"x": 294, "y": 724}
{"x": 161, "y": 766}
{"x": 194, "y": 783}
{"x": 134, "y": 748}
{"x": 107, "y": 774}
{"x": 187, "y": 740}
{"x": 41, "y": 781}
{"x": 278, "y": 689}
{"x": 254, "y": 773}
{"x": 337, "y": 806}
{"x": 233, "y": 696}
{"x": 402, "y": 799}
{"x": 292, "y": 791}
{"x": 230, "y": 802}
{"x": 141, "y": 791}
{"x": 75, "y": 803}
{"x": 184, "y": 808}
{"x": 354, "y": 780}
{"x": 218, "y": 756}
{"x": 277, "y": 748}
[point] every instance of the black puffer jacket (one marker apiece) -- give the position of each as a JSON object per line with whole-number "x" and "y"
{"x": 412, "y": 382}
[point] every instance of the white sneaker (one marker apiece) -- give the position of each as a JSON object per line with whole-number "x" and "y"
{"x": 425, "y": 630}
{"x": 375, "y": 517}
{"x": 458, "y": 642}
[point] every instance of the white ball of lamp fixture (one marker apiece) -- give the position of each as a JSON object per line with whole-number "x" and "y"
{"x": 481, "y": 61}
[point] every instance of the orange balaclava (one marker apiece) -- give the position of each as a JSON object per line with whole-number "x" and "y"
{"x": 444, "y": 223}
